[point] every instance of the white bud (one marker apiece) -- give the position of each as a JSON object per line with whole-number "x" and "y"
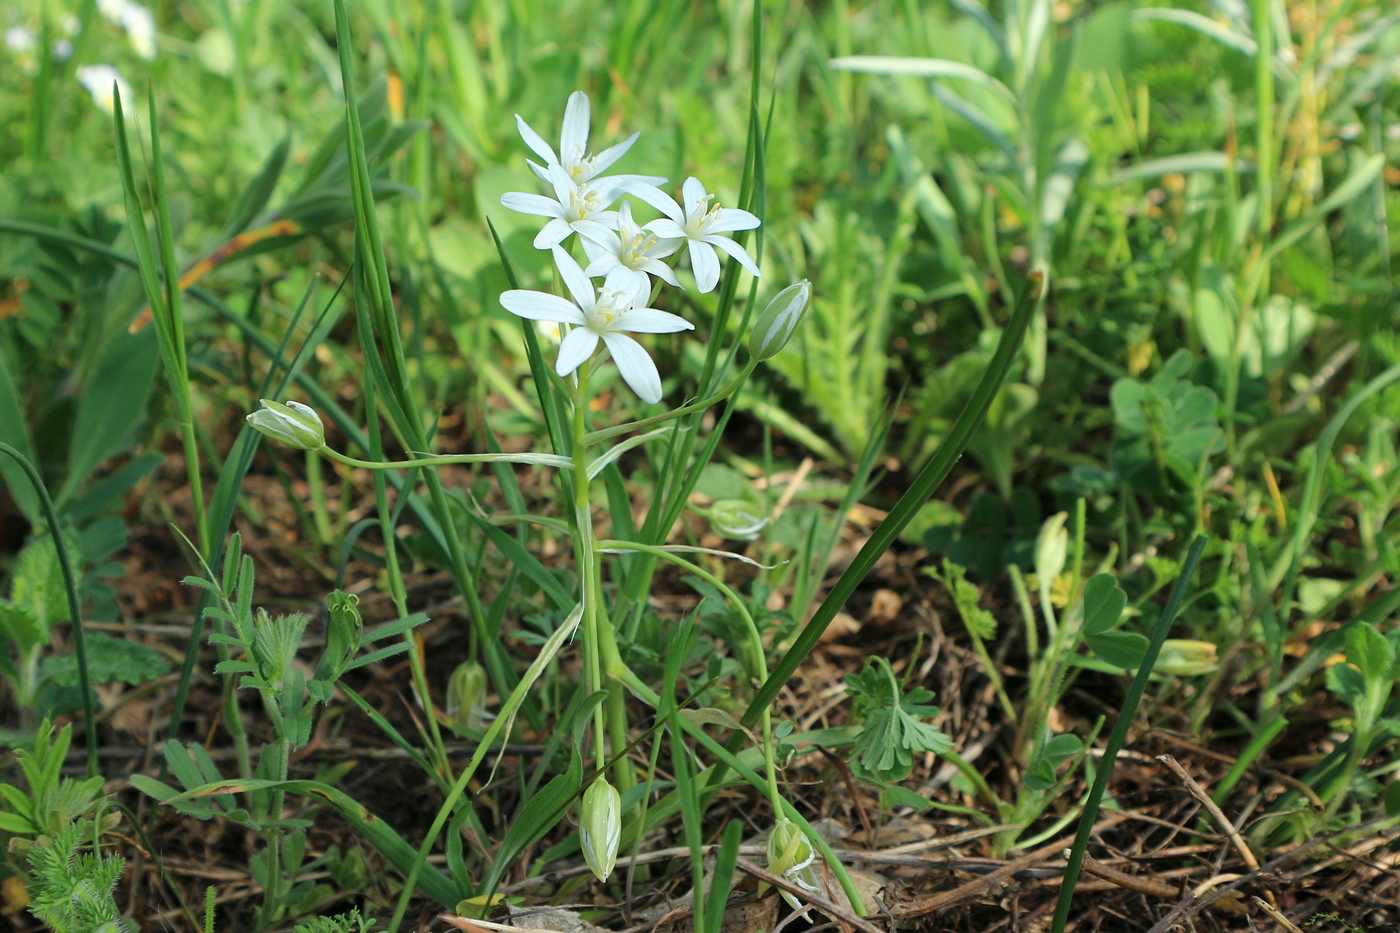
{"x": 776, "y": 324}
{"x": 293, "y": 424}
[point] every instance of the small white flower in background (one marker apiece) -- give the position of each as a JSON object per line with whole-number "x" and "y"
{"x": 140, "y": 25}
{"x": 293, "y": 424}
{"x": 605, "y": 314}
{"x": 98, "y": 79}
{"x": 701, "y": 225}
{"x": 19, "y": 39}
{"x": 633, "y": 248}
{"x": 111, "y": 10}
{"x": 573, "y": 154}
{"x": 63, "y": 50}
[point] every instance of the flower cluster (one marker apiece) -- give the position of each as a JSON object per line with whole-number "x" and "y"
{"x": 625, "y": 254}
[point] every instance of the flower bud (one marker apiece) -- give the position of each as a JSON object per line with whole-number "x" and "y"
{"x": 345, "y": 629}
{"x": 1185, "y": 657}
{"x": 294, "y": 424}
{"x": 790, "y": 854}
{"x": 600, "y": 827}
{"x": 736, "y": 519}
{"x": 777, "y": 322}
{"x": 466, "y": 698}
{"x": 1052, "y": 547}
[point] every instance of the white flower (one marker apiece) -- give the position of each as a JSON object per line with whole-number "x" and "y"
{"x": 20, "y": 39}
{"x": 98, "y": 79}
{"x": 573, "y": 208}
{"x": 637, "y": 250}
{"x": 604, "y": 314}
{"x": 701, "y": 225}
{"x": 111, "y": 10}
{"x": 573, "y": 154}
{"x": 140, "y": 26}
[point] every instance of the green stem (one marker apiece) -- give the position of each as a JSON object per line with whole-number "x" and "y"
{"x": 553, "y": 460}
{"x": 590, "y": 577}
{"x": 75, "y": 609}
{"x": 758, "y": 664}
{"x": 735, "y": 384}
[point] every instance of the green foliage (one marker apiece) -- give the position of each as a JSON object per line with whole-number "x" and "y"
{"x": 51, "y": 803}
{"x": 892, "y": 727}
{"x": 350, "y": 922}
{"x": 72, "y": 890}
{"x": 1166, "y": 428}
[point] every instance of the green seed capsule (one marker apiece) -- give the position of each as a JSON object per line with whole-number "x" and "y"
{"x": 466, "y": 697}
{"x": 600, "y": 827}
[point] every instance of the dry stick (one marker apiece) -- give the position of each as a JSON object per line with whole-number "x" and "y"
{"x": 1231, "y": 832}
{"x": 1323, "y": 376}
{"x": 1288, "y": 925}
{"x": 1191, "y": 905}
{"x": 1150, "y": 885}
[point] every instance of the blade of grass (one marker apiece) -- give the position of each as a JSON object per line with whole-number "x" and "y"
{"x": 1120, "y": 734}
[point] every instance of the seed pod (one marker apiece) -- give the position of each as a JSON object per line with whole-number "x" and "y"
{"x": 775, "y": 325}
{"x": 736, "y": 519}
{"x": 466, "y": 697}
{"x": 293, "y": 424}
{"x": 791, "y": 855}
{"x": 600, "y": 827}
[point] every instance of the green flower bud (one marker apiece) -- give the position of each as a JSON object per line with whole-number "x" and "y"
{"x": 466, "y": 698}
{"x": 790, "y": 854}
{"x": 344, "y": 631}
{"x": 1051, "y": 547}
{"x": 600, "y": 827}
{"x": 293, "y": 424}
{"x": 777, "y": 322}
{"x": 736, "y": 519}
{"x": 1184, "y": 657}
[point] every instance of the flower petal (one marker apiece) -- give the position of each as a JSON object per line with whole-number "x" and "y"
{"x": 552, "y": 234}
{"x": 705, "y": 265}
{"x": 573, "y": 139}
{"x": 660, "y": 200}
{"x": 735, "y": 250}
{"x": 611, "y": 154}
{"x": 732, "y": 218}
{"x": 535, "y": 141}
{"x": 577, "y": 347}
{"x": 666, "y": 229}
{"x": 659, "y": 269}
{"x": 536, "y": 204}
{"x": 636, "y": 367}
{"x": 579, "y": 286}
{"x": 693, "y": 194}
{"x": 651, "y": 321}
{"x": 541, "y": 306}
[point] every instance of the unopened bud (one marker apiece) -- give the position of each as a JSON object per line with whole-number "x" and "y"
{"x": 600, "y": 827}
{"x": 736, "y": 519}
{"x": 345, "y": 629}
{"x": 775, "y": 325}
{"x": 791, "y": 855}
{"x": 1052, "y": 547}
{"x": 466, "y": 698}
{"x": 1185, "y": 657}
{"x": 294, "y": 424}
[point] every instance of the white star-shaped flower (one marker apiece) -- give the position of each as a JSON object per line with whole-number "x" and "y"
{"x": 605, "y": 314}
{"x": 573, "y": 154}
{"x": 701, "y": 226}
{"x": 631, "y": 248}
